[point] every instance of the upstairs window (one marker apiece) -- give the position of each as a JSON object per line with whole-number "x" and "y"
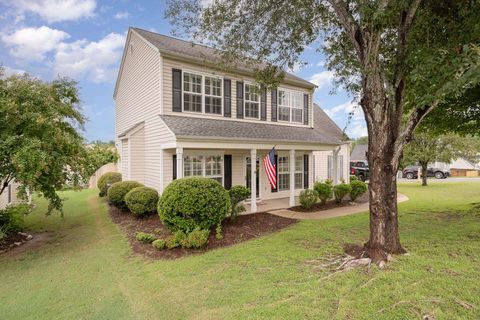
{"x": 252, "y": 101}
{"x": 192, "y": 92}
{"x": 213, "y": 95}
{"x": 290, "y": 106}
{"x": 202, "y": 94}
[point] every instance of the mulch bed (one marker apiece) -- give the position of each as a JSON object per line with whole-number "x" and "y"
{"x": 243, "y": 228}
{"x": 10, "y": 241}
{"x": 331, "y": 204}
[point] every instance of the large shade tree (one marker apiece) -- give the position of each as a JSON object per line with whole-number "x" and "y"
{"x": 402, "y": 60}
{"x": 40, "y": 142}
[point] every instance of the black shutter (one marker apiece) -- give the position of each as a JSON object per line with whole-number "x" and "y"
{"x": 276, "y": 166}
{"x": 227, "y": 97}
{"x": 305, "y": 171}
{"x": 305, "y": 108}
{"x": 227, "y": 171}
{"x": 177, "y": 90}
{"x": 240, "y": 99}
{"x": 274, "y": 105}
{"x": 174, "y": 167}
{"x": 263, "y": 105}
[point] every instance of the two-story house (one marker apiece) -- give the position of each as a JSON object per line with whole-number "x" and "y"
{"x": 179, "y": 115}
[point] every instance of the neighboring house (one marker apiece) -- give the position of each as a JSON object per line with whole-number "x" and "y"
{"x": 359, "y": 153}
{"x": 9, "y": 196}
{"x": 460, "y": 168}
{"x": 179, "y": 115}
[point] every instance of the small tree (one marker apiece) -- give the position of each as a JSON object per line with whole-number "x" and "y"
{"x": 426, "y": 148}
{"x": 98, "y": 154}
{"x": 40, "y": 144}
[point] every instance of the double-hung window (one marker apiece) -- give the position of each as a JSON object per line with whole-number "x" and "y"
{"x": 192, "y": 92}
{"x": 283, "y": 173}
{"x": 299, "y": 172}
{"x": 202, "y": 94}
{"x": 213, "y": 95}
{"x": 209, "y": 166}
{"x": 290, "y": 106}
{"x": 252, "y": 101}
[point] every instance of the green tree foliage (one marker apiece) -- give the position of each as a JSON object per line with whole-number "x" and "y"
{"x": 98, "y": 154}
{"x": 426, "y": 148}
{"x": 40, "y": 144}
{"x": 401, "y": 60}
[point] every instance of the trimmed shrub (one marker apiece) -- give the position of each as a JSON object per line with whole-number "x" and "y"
{"x": 145, "y": 237}
{"x": 189, "y": 203}
{"x": 308, "y": 198}
{"x": 237, "y": 195}
{"x": 340, "y": 191}
{"x": 357, "y": 189}
{"x": 324, "y": 190}
{"x": 159, "y": 244}
{"x": 117, "y": 192}
{"x": 196, "y": 239}
{"x": 107, "y": 180}
{"x": 353, "y": 178}
{"x": 142, "y": 201}
{"x": 11, "y": 219}
{"x": 171, "y": 242}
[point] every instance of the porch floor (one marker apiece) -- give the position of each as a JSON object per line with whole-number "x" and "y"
{"x": 272, "y": 204}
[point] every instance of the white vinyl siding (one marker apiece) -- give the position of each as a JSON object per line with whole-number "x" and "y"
{"x": 330, "y": 167}
{"x": 137, "y": 156}
{"x": 124, "y": 160}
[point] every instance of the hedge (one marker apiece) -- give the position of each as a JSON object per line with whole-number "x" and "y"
{"x": 142, "y": 201}
{"x": 117, "y": 192}
{"x": 106, "y": 180}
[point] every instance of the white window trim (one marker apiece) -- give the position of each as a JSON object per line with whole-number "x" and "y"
{"x": 291, "y": 107}
{"x": 204, "y": 155}
{"x": 203, "y": 95}
{"x": 248, "y": 83}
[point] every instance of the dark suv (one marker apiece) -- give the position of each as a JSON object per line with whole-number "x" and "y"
{"x": 411, "y": 172}
{"x": 360, "y": 170}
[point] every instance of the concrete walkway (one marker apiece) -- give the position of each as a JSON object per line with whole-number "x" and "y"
{"x": 330, "y": 213}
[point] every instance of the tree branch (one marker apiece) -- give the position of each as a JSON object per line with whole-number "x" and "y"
{"x": 352, "y": 29}
{"x": 6, "y": 182}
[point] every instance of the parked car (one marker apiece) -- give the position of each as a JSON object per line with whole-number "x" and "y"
{"x": 360, "y": 170}
{"x": 411, "y": 172}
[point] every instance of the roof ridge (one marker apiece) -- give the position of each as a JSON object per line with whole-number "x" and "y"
{"x": 174, "y": 38}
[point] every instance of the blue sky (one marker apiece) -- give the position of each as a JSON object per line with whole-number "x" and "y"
{"x": 84, "y": 39}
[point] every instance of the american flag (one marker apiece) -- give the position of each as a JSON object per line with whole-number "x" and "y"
{"x": 271, "y": 168}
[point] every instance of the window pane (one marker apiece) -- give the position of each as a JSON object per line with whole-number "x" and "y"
{"x": 192, "y": 102}
{"x": 213, "y": 105}
{"x": 299, "y": 163}
{"x": 283, "y": 181}
{"x": 299, "y": 180}
{"x": 284, "y": 113}
{"x": 297, "y": 115}
{"x": 283, "y": 165}
{"x": 283, "y": 98}
{"x": 192, "y": 82}
{"x": 297, "y": 100}
{"x": 251, "y": 110}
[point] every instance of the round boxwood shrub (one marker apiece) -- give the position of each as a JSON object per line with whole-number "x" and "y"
{"x": 357, "y": 189}
{"x": 142, "y": 201}
{"x": 308, "y": 198}
{"x": 117, "y": 192}
{"x": 324, "y": 190}
{"x": 340, "y": 191}
{"x": 107, "y": 180}
{"x": 193, "y": 202}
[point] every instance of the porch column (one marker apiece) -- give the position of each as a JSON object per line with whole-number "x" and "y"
{"x": 335, "y": 166}
{"x": 253, "y": 184}
{"x": 292, "y": 178}
{"x": 179, "y": 152}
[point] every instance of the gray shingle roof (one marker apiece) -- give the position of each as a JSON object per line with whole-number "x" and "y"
{"x": 359, "y": 152}
{"x": 187, "y": 49}
{"x": 323, "y": 133}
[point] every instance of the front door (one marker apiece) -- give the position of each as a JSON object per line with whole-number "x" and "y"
{"x": 248, "y": 174}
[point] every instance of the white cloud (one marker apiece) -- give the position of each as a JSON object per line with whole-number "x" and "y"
{"x": 95, "y": 61}
{"x": 357, "y": 130}
{"x": 322, "y": 79}
{"x": 31, "y": 44}
{"x": 12, "y": 71}
{"x": 57, "y": 10}
{"x": 122, "y": 15}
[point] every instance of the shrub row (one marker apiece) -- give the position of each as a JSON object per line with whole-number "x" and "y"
{"x": 11, "y": 219}
{"x": 326, "y": 190}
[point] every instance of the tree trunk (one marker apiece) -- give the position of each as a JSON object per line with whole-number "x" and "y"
{"x": 424, "y": 174}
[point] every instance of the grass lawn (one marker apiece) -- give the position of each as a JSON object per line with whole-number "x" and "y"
{"x": 87, "y": 271}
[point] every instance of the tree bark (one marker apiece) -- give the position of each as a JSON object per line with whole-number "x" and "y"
{"x": 424, "y": 174}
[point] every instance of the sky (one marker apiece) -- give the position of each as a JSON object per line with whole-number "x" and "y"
{"x": 84, "y": 40}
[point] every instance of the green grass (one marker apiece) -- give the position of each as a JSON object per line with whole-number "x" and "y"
{"x": 87, "y": 270}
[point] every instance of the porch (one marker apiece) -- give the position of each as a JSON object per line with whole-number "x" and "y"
{"x": 232, "y": 165}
